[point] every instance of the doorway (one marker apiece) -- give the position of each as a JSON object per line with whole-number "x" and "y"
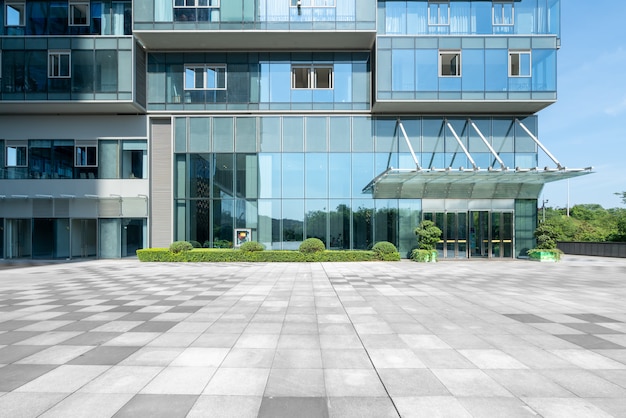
{"x": 474, "y": 234}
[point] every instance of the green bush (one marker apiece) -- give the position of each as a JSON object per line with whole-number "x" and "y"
{"x": 216, "y": 255}
{"x": 428, "y": 235}
{"x": 195, "y": 244}
{"x": 386, "y": 251}
{"x": 221, "y": 243}
{"x": 422, "y": 256}
{"x": 312, "y": 245}
{"x": 252, "y": 246}
{"x": 180, "y": 246}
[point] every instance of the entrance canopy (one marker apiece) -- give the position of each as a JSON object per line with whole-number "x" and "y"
{"x": 467, "y": 183}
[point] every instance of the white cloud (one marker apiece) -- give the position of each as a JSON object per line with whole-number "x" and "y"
{"x": 616, "y": 109}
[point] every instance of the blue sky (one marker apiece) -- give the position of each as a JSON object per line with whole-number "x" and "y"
{"x": 587, "y": 125}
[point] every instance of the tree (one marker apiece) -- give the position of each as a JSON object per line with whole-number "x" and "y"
{"x": 428, "y": 234}
{"x": 622, "y": 195}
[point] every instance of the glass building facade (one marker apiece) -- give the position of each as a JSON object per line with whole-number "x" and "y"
{"x": 135, "y": 124}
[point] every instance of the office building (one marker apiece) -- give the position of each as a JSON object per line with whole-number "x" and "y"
{"x": 126, "y": 125}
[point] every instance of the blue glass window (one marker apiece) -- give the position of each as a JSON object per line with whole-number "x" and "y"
{"x": 15, "y": 14}
{"x": 79, "y": 13}
{"x": 519, "y": 64}
{"x": 205, "y": 77}
{"x": 449, "y": 63}
{"x": 438, "y": 12}
{"x": 59, "y": 64}
{"x": 503, "y": 13}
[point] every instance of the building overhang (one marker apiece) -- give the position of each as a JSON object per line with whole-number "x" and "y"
{"x": 466, "y": 183}
{"x": 465, "y": 107}
{"x": 26, "y": 107}
{"x": 247, "y": 40}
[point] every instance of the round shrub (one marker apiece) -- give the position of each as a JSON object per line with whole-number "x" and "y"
{"x": 180, "y": 246}
{"x": 312, "y": 245}
{"x": 195, "y": 244}
{"x": 384, "y": 247}
{"x": 386, "y": 251}
{"x": 252, "y": 246}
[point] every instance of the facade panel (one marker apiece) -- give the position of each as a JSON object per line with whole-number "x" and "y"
{"x": 346, "y": 120}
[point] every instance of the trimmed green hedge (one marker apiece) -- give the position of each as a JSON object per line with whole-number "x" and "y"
{"x": 217, "y": 255}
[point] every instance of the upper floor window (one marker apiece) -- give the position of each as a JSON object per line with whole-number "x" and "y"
{"x": 86, "y": 155}
{"x": 17, "y": 156}
{"x": 312, "y": 77}
{"x": 503, "y": 13}
{"x": 15, "y": 13}
{"x": 205, "y": 77}
{"x": 438, "y": 12}
{"x": 449, "y": 64}
{"x": 59, "y": 64}
{"x": 79, "y": 13}
{"x": 312, "y": 3}
{"x": 519, "y": 64}
{"x": 196, "y": 3}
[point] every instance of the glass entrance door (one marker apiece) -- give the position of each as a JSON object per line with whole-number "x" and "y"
{"x": 474, "y": 234}
{"x": 479, "y": 234}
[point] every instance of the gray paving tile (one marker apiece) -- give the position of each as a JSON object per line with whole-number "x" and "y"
{"x": 497, "y": 407}
{"x": 431, "y": 406}
{"x": 528, "y": 383}
{"x": 13, "y": 376}
{"x": 595, "y": 318}
{"x": 470, "y": 383}
{"x": 244, "y": 382}
{"x": 88, "y": 405}
{"x": 180, "y": 381}
{"x": 91, "y": 338}
{"x": 292, "y": 407}
{"x": 591, "y": 342}
{"x": 104, "y": 355}
{"x": 528, "y": 318}
{"x": 226, "y": 407}
{"x": 585, "y": 384}
{"x": 565, "y": 407}
{"x": 157, "y": 406}
{"x": 13, "y": 353}
{"x": 27, "y": 405}
{"x": 295, "y": 383}
{"x": 122, "y": 379}
{"x": 64, "y": 378}
{"x": 353, "y": 383}
{"x": 411, "y": 382}
{"x": 361, "y": 407}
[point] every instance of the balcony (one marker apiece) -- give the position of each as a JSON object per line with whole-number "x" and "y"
{"x": 465, "y": 74}
{"x": 229, "y": 25}
{"x": 78, "y": 74}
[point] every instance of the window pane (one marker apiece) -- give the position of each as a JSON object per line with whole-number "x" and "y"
{"x": 15, "y": 14}
{"x": 323, "y": 78}
{"x": 211, "y": 78}
{"x": 450, "y": 64}
{"x": 515, "y": 64}
{"x": 199, "y": 78}
{"x": 301, "y": 78}
{"x": 189, "y": 78}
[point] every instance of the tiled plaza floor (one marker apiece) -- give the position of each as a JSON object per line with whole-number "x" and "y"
{"x": 451, "y": 339}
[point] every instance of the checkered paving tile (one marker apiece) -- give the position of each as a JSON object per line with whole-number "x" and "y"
{"x": 335, "y": 339}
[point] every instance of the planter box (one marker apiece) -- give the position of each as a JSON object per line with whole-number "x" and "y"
{"x": 544, "y": 256}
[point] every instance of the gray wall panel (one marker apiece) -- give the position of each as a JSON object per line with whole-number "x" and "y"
{"x": 161, "y": 197}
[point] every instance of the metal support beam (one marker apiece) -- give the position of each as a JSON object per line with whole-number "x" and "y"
{"x": 534, "y": 138}
{"x": 408, "y": 143}
{"x": 467, "y": 154}
{"x": 493, "y": 151}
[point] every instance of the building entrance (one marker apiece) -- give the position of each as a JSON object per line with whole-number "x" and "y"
{"x": 474, "y": 234}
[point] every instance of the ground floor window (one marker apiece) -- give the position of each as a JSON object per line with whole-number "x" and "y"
{"x": 71, "y": 238}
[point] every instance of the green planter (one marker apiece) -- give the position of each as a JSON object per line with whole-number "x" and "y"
{"x": 546, "y": 256}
